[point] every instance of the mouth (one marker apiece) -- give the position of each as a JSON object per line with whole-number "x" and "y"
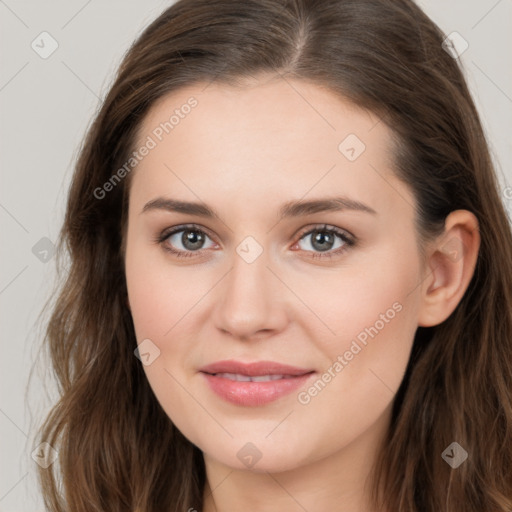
{"x": 238, "y": 377}
{"x": 255, "y": 369}
{"x": 254, "y": 384}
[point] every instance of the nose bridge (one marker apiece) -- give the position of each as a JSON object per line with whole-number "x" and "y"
{"x": 249, "y": 295}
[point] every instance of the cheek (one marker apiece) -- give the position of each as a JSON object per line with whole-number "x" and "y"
{"x": 373, "y": 298}
{"x": 160, "y": 303}
{"x": 373, "y": 317}
{"x": 369, "y": 309}
{"x": 365, "y": 311}
{"x": 364, "y": 369}
{"x": 160, "y": 295}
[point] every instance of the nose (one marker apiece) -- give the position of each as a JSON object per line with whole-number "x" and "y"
{"x": 251, "y": 299}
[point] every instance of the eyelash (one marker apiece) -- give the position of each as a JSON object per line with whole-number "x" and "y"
{"x": 348, "y": 241}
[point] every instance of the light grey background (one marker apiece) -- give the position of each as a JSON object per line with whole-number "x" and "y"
{"x": 46, "y": 106}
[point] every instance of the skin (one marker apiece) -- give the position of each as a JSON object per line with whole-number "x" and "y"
{"x": 245, "y": 151}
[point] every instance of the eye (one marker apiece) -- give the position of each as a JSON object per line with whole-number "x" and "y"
{"x": 191, "y": 239}
{"x": 323, "y": 239}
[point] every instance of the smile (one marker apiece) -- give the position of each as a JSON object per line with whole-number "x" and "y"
{"x": 256, "y": 390}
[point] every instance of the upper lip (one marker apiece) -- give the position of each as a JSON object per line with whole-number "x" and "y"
{"x": 253, "y": 369}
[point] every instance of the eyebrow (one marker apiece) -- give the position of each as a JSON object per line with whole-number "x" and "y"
{"x": 294, "y": 208}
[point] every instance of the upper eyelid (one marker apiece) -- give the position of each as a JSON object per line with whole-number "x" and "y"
{"x": 176, "y": 229}
{"x": 327, "y": 227}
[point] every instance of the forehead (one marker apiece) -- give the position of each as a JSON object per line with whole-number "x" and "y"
{"x": 262, "y": 108}
{"x": 262, "y": 139}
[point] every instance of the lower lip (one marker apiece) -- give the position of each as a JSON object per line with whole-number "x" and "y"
{"x": 254, "y": 393}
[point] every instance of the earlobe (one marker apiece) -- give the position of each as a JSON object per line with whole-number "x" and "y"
{"x": 451, "y": 264}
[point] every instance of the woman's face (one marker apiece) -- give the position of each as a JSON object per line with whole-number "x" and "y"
{"x": 255, "y": 282}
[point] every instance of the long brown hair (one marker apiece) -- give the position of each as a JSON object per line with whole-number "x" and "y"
{"x": 118, "y": 450}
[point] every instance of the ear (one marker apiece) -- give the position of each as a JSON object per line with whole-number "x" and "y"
{"x": 451, "y": 261}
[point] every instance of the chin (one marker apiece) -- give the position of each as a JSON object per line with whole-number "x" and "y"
{"x": 248, "y": 456}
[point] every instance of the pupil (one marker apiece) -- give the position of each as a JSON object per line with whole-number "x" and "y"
{"x": 193, "y": 237}
{"x": 321, "y": 237}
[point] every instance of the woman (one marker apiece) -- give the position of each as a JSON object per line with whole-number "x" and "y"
{"x": 291, "y": 273}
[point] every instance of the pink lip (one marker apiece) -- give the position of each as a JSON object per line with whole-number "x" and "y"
{"x": 252, "y": 369}
{"x": 254, "y": 393}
